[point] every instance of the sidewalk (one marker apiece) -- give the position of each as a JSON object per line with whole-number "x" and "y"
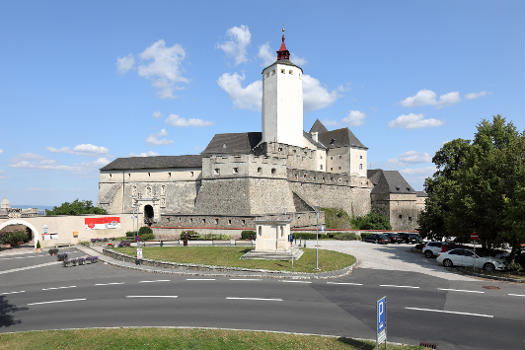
{"x": 18, "y": 251}
{"x": 212, "y": 271}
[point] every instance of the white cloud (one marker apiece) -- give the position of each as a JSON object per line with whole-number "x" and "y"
{"x": 238, "y": 40}
{"x": 125, "y": 64}
{"x": 426, "y": 171}
{"x": 86, "y": 149}
{"x": 413, "y": 121}
{"x": 175, "y": 120}
{"x": 39, "y": 162}
{"x": 415, "y": 157}
{"x": 474, "y": 95}
{"x": 2, "y": 176}
{"x": 144, "y": 154}
{"x": 429, "y": 98}
{"x": 1, "y": 151}
{"x": 354, "y": 118}
{"x": 329, "y": 122}
{"x": 157, "y": 115}
{"x": 249, "y": 97}
{"x": 102, "y": 161}
{"x": 300, "y": 61}
{"x": 161, "y": 65}
{"x": 266, "y": 54}
{"x": 316, "y": 96}
{"x": 157, "y": 139}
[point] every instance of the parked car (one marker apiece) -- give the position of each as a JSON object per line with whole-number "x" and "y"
{"x": 376, "y": 238}
{"x": 467, "y": 257}
{"x": 394, "y": 237}
{"x": 408, "y": 237}
{"x": 433, "y": 248}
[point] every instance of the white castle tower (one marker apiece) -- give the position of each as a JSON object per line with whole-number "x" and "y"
{"x": 282, "y": 105}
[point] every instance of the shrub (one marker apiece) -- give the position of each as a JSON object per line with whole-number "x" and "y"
{"x": 371, "y": 221}
{"x": 251, "y": 235}
{"x": 145, "y": 230}
{"x": 191, "y": 235}
{"x": 346, "y": 236}
{"x": 147, "y": 236}
{"x": 38, "y": 245}
{"x": 13, "y": 238}
{"x": 214, "y": 236}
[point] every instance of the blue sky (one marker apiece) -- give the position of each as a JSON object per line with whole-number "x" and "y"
{"x": 84, "y": 83}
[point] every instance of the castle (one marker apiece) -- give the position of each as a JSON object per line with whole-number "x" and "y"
{"x": 241, "y": 176}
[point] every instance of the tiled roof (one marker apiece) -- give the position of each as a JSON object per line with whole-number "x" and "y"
{"x": 233, "y": 143}
{"x": 388, "y": 181}
{"x": 318, "y": 127}
{"x": 157, "y": 162}
{"x": 340, "y": 138}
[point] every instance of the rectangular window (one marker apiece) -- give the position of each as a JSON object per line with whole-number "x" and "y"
{"x": 216, "y": 171}
{"x": 360, "y": 166}
{"x": 235, "y": 170}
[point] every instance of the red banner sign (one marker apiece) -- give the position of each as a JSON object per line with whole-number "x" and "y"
{"x": 102, "y": 223}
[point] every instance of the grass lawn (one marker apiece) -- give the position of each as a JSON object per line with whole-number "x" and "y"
{"x": 231, "y": 256}
{"x": 164, "y": 338}
{"x": 507, "y": 274}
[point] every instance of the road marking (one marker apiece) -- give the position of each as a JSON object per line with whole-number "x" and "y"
{"x": 292, "y": 281}
{"x": 245, "y": 279}
{"x": 23, "y": 257}
{"x": 256, "y": 299}
{"x": 462, "y": 290}
{"x": 154, "y": 281}
{"x": 53, "y": 288}
{"x": 30, "y": 267}
{"x": 108, "y": 284}
{"x": 200, "y": 279}
{"x": 450, "y": 312}
{"x": 516, "y": 295}
{"x": 395, "y": 286}
{"x": 7, "y": 293}
{"x": 56, "y": 301}
{"x": 152, "y": 296}
{"x": 346, "y": 283}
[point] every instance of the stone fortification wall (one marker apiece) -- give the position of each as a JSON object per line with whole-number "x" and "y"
{"x": 296, "y": 157}
{"x": 351, "y": 193}
{"x": 401, "y": 209}
{"x": 244, "y": 185}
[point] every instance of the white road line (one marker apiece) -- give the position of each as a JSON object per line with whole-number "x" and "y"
{"x": 57, "y": 301}
{"x": 516, "y": 295}
{"x": 23, "y": 257}
{"x": 245, "y": 279}
{"x": 292, "y": 281}
{"x": 346, "y": 283}
{"x": 30, "y": 267}
{"x": 450, "y": 312}
{"x": 256, "y": 299}
{"x": 53, "y": 288}
{"x": 200, "y": 279}
{"x": 152, "y": 296}
{"x": 7, "y": 293}
{"x": 154, "y": 281}
{"x": 395, "y": 286}
{"x": 108, "y": 284}
{"x": 462, "y": 290}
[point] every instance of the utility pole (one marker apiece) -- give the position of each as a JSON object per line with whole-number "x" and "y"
{"x": 317, "y": 235}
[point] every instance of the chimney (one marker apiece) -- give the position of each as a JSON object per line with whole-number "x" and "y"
{"x": 315, "y": 136}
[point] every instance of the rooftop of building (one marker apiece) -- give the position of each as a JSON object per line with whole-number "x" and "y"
{"x": 155, "y": 162}
{"x": 389, "y": 181}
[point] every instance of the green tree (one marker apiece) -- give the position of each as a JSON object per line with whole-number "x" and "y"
{"x": 479, "y": 187}
{"x": 77, "y": 207}
{"x": 371, "y": 221}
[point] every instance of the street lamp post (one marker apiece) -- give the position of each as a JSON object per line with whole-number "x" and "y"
{"x": 317, "y": 236}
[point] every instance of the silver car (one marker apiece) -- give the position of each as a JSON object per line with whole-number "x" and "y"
{"x": 467, "y": 257}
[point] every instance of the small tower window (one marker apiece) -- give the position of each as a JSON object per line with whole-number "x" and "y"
{"x": 400, "y": 216}
{"x": 361, "y": 157}
{"x": 149, "y": 174}
{"x": 243, "y": 222}
{"x": 110, "y": 175}
{"x": 216, "y": 171}
{"x": 331, "y": 158}
{"x": 321, "y": 167}
{"x": 259, "y": 170}
{"x": 169, "y": 174}
{"x": 273, "y": 72}
{"x": 129, "y": 174}
{"x": 216, "y": 221}
{"x": 360, "y": 166}
{"x": 290, "y": 72}
{"x": 283, "y": 71}
{"x": 229, "y": 221}
{"x": 203, "y": 221}
{"x": 235, "y": 170}
{"x": 274, "y": 171}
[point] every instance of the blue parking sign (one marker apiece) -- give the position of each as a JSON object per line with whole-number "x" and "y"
{"x": 381, "y": 320}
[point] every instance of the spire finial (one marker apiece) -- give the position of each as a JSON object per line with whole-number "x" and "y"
{"x": 283, "y": 53}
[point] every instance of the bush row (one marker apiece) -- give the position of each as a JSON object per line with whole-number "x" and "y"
{"x": 145, "y": 234}
{"x": 13, "y": 237}
{"x": 346, "y": 236}
{"x": 195, "y": 236}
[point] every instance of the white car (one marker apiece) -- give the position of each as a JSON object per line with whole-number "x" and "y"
{"x": 466, "y": 257}
{"x": 432, "y": 248}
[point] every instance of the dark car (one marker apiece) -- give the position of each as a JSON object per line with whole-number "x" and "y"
{"x": 376, "y": 238}
{"x": 408, "y": 237}
{"x": 394, "y": 237}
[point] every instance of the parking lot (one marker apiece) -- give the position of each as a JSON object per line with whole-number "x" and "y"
{"x": 398, "y": 257}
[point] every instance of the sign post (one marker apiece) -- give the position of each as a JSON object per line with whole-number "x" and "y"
{"x": 381, "y": 322}
{"x": 474, "y": 237}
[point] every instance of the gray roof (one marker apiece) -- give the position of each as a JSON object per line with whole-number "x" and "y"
{"x": 340, "y": 138}
{"x": 157, "y": 162}
{"x": 315, "y": 143}
{"x": 421, "y": 194}
{"x": 285, "y": 62}
{"x": 233, "y": 143}
{"x": 318, "y": 127}
{"x": 273, "y": 218}
{"x": 388, "y": 181}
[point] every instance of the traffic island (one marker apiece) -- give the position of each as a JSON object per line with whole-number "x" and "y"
{"x": 180, "y": 338}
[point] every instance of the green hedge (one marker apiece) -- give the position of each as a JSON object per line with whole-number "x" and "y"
{"x": 146, "y": 236}
{"x": 14, "y": 237}
{"x": 251, "y": 235}
{"x": 195, "y": 236}
{"x": 145, "y": 230}
{"x": 131, "y": 234}
{"x": 347, "y": 236}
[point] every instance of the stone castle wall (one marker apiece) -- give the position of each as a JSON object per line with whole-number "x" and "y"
{"x": 402, "y": 209}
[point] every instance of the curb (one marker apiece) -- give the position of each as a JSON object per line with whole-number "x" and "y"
{"x": 491, "y": 277}
{"x": 221, "y": 270}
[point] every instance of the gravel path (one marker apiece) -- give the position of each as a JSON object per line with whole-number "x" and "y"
{"x": 398, "y": 257}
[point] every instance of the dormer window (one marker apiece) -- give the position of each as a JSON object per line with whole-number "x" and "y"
{"x": 397, "y": 188}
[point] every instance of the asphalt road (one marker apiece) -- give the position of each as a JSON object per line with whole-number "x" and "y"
{"x": 451, "y": 314}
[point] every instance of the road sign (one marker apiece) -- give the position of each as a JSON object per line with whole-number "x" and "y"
{"x": 474, "y": 236}
{"x": 381, "y": 321}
